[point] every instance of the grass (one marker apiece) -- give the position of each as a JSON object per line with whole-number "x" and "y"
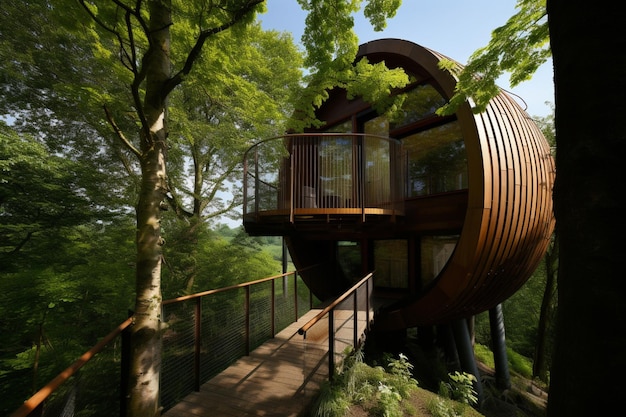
{"x": 387, "y": 390}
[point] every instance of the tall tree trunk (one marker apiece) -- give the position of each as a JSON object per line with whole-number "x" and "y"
{"x": 546, "y": 315}
{"x": 588, "y": 42}
{"x": 145, "y": 340}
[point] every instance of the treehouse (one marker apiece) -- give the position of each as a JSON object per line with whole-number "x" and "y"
{"x": 452, "y": 213}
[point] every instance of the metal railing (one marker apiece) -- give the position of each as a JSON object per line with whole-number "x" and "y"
{"x": 206, "y": 332}
{"x": 209, "y": 331}
{"x": 345, "y": 173}
{"x": 67, "y": 401}
{"x": 343, "y": 325}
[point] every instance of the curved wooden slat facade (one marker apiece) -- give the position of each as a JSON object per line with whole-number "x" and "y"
{"x": 473, "y": 227}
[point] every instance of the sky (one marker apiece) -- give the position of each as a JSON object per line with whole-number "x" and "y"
{"x": 455, "y": 28}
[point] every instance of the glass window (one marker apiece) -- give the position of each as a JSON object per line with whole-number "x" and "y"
{"x": 377, "y": 162}
{"x": 420, "y": 103}
{"x": 344, "y": 127}
{"x": 335, "y": 162}
{"x": 391, "y": 264}
{"x": 435, "y": 253}
{"x": 349, "y": 257}
{"x": 437, "y": 161}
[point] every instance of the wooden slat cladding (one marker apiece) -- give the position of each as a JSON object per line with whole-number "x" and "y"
{"x": 509, "y": 218}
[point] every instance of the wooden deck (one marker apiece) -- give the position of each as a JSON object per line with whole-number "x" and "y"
{"x": 279, "y": 379}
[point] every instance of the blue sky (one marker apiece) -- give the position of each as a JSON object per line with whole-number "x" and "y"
{"x": 455, "y": 28}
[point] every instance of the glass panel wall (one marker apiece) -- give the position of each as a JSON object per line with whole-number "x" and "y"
{"x": 377, "y": 162}
{"x": 391, "y": 263}
{"x": 420, "y": 103}
{"x": 437, "y": 161}
{"x": 435, "y": 253}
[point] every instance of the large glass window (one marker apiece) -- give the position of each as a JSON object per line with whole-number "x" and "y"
{"x": 437, "y": 161}
{"x": 349, "y": 258}
{"x": 336, "y": 178}
{"x": 435, "y": 253}
{"x": 391, "y": 263}
{"x": 420, "y": 103}
{"x": 377, "y": 162}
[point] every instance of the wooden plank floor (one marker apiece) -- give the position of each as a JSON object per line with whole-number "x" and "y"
{"x": 278, "y": 379}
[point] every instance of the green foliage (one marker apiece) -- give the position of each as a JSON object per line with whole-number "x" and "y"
{"x": 521, "y": 316}
{"x": 461, "y": 387}
{"x": 331, "y": 46}
{"x": 484, "y": 355}
{"x": 440, "y": 407}
{"x": 380, "y": 390}
{"x": 520, "y": 364}
{"x": 517, "y": 363}
{"x": 518, "y": 47}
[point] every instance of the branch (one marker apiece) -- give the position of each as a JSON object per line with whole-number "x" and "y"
{"x": 119, "y": 133}
{"x": 197, "y": 48}
{"x": 129, "y": 60}
{"x": 175, "y": 204}
{"x": 115, "y": 33}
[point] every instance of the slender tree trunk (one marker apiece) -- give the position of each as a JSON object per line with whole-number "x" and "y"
{"x": 588, "y": 42}
{"x": 145, "y": 339}
{"x": 546, "y": 315}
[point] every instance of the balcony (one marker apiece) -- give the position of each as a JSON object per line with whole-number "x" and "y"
{"x": 299, "y": 181}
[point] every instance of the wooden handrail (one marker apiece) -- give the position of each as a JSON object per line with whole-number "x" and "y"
{"x": 232, "y": 287}
{"x": 302, "y": 330}
{"x": 33, "y": 402}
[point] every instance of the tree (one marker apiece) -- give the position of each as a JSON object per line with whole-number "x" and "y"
{"x": 159, "y": 43}
{"x": 55, "y": 264}
{"x": 591, "y": 142}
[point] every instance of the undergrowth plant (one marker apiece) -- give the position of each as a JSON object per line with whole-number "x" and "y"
{"x": 377, "y": 389}
{"x": 460, "y": 388}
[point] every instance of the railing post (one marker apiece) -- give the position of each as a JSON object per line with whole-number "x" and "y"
{"x": 361, "y": 173}
{"x": 256, "y": 181}
{"x": 273, "y": 308}
{"x": 331, "y": 344}
{"x": 355, "y": 308}
{"x": 197, "y": 343}
{"x": 295, "y": 293}
{"x": 292, "y": 185}
{"x": 367, "y": 302}
{"x": 247, "y": 311}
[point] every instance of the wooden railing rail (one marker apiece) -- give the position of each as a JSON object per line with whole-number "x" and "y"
{"x": 366, "y": 284}
{"x": 40, "y": 396}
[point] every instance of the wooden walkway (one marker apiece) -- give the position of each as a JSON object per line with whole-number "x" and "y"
{"x": 278, "y": 379}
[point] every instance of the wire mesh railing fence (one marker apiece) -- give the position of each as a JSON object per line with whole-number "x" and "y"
{"x": 337, "y": 330}
{"x": 210, "y": 331}
{"x": 205, "y": 333}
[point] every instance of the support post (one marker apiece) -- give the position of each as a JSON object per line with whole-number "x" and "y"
{"x": 466, "y": 354}
{"x": 498, "y": 340}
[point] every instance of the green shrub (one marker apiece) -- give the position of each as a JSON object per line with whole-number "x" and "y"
{"x": 379, "y": 390}
{"x": 520, "y": 364}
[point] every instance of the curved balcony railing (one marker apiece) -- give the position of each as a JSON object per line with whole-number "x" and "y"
{"x": 323, "y": 174}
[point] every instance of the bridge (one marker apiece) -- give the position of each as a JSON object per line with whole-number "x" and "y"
{"x": 268, "y": 357}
